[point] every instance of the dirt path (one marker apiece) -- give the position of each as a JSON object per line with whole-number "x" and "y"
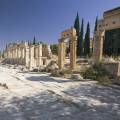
{"x": 41, "y": 97}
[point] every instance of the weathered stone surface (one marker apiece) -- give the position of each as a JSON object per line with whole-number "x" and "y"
{"x": 52, "y": 66}
{"x": 113, "y": 68}
{"x": 76, "y": 76}
{"x": 110, "y": 21}
{"x": 30, "y": 56}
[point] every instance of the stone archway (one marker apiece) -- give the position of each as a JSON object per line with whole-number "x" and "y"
{"x": 71, "y": 34}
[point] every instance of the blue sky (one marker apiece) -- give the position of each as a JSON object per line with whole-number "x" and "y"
{"x": 45, "y": 19}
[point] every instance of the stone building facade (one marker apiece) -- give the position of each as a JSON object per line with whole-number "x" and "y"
{"x": 31, "y": 56}
{"x": 110, "y": 21}
{"x": 46, "y": 51}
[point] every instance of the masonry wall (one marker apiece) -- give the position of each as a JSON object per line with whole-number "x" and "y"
{"x": 46, "y": 51}
{"x": 112, "y": 68}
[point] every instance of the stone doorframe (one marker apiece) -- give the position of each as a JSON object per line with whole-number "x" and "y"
{"x": 71, "y": 34}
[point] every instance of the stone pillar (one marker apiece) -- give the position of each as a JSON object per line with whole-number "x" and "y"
{"x": 23, "y": 53}
{"x": 27, "y": 55}
{"x": 12, "y": 53}
{"x": 8, "y": 53}
{"x": 73, "y": 53}
{"x": 64, "y": 51}
{"x": 18, "y": 52}
{"x": 40, "y": 55}
{"x": 61, "y": 55}
{"x": 98, "y": 46}
{"x": 31, "y": 57}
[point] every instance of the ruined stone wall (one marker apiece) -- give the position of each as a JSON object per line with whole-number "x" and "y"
{"x": 111, "y": 20}
{"x": 46, "y": 51}
{"x": 30, "y": 56}
{"x": 113, "y": 68}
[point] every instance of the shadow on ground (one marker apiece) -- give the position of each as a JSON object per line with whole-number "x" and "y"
{"x": 49, "y": 79}
{"x": 104, "y": 102}
{"x": 49, "y": 106}
{"x": 43, "y": 106}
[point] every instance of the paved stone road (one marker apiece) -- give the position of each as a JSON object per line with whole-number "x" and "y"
{"x": 40, "y": 97}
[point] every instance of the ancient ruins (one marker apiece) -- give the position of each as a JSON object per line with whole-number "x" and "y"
{"x": 111, "y": 20}
{"x": 67, "y": 35}
{"x": 31, "y": 56}
{"x": 37, "y": 55}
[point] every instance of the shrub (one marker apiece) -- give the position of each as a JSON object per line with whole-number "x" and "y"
{"x": 52, "y": 66}
{"x": 97, "y": 73}
{"x": 57, "y": 73}
{"x": 54, "y": 49}
{"x": 60, "y": 73}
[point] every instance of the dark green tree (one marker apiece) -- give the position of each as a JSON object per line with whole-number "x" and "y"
{"x": 77, "y": 27}
{"x": 6, "y": 46}
{"x": 81, "y": 38}
{"x": 96, "y": 23}
{"x": 0, "y": 54}
{"x": 87, "y": 41}
{"x": 54, "y": 49}
{"x": 34, "y": 41}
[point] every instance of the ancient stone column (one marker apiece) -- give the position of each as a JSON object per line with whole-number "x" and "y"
{"x": 40, "y": 55}
{"x": 73, "y": 53}
{"x": 64, "y": 51}
{"x": 18, "y": 52}
{"x": 61, "y": 55}
{"x": 23, "y": 53}
{"x": 31, "y": 56}
{"x": 98, "y": 46}
{"x": 11, "y": 53}
{"x": 8, "y": 53}
{"x": 27, "y": 54}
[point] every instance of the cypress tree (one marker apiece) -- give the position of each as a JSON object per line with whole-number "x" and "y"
{"x": 87, "y": 41}
{"x": 81, "y": 38}
{"x": 96, "y": 23}
{"x": 34, "y": 41}
{"x": 6, "y": 46}
{"x": 77, "y": 27}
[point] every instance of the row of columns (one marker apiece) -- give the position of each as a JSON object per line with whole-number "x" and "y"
{"x": 16, "y": 53}
{"x": 31, "y": 55}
